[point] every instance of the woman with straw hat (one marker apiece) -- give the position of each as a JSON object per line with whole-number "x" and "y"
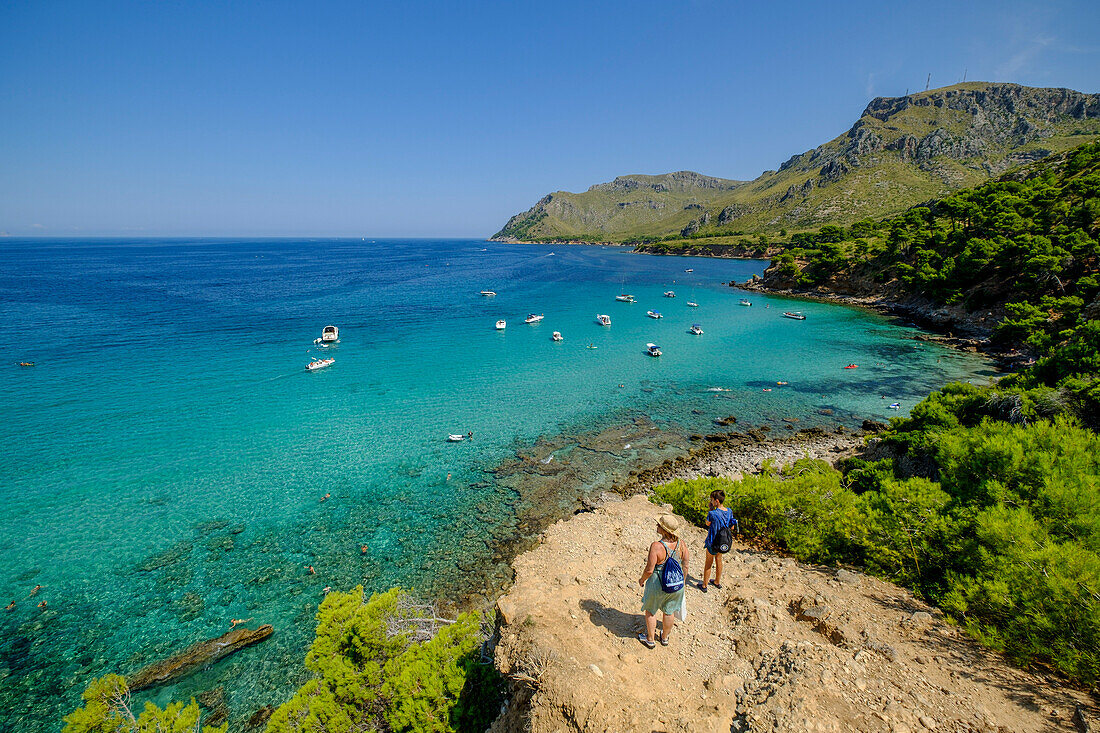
{"x": 656, "y": 599}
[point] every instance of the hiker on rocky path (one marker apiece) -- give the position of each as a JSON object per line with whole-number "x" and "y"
{"x": 718, "y": 518}
{"x": 664, "y": 586}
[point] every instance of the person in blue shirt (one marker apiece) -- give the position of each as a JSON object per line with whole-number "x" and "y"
{"x": 718, "y": 516}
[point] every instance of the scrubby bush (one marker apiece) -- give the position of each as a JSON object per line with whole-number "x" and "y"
{"x": 107, "y": 705}
{"x": 392, "y": 663}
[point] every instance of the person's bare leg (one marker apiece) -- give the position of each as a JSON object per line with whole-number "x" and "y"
{"x": 650, "y": 626}
{"x": 667, "y": 622}
{"x": 717, "y": 569}
{"x": 706, "y": 569}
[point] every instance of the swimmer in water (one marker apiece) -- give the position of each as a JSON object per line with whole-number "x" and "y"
{"x": 312, "y": 571}
{"x": 34, "y": 590}
{"x": 325, "y": 496}
{"x": 10, "y": 606}
{"x": 42, "y": 604}
{"x": 233, "y": 623}
{"x": 363, "y": 550}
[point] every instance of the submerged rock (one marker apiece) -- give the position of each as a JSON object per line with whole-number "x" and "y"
{"x": 172, "y": 555}
{"x": 197, "y": 655}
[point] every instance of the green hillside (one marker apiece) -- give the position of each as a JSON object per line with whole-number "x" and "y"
{"x": 902, "y": 151}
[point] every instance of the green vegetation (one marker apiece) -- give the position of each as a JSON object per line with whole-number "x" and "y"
{"x": 900, "y": 152}
{"x": 390, "y": 663}
{"x": 989, "y": 505}
{"x": 107, "y": 710}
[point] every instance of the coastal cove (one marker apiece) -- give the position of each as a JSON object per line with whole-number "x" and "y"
{"x": 168, "y": 455}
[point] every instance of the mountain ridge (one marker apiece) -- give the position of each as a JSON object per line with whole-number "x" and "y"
{"x": 902, "y": 151}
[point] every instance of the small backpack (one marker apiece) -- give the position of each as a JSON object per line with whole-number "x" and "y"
{"x": 672, "y": 574}
{"x": 723, "y": 538}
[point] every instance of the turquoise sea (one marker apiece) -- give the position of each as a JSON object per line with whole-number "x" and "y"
{"x": 165, "y": 459}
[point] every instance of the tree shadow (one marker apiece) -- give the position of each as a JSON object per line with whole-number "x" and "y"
{"x": 479, "y": 701}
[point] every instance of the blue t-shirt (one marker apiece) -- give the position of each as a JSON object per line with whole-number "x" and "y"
{"x": 718, "y": 518}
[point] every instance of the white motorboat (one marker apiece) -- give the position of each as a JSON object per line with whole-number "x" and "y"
{"x": 488, "y": 293}
{"x": 556, "y": 336}
{"x": 501, "y": 324}
{"x": 696, "y": 329}
{"x": 796, "y": 315}
{"x": 330, "y": 334}
{"x": 625, "y": 298}
{"x": 746, "y": 302}
{"x": 454, "y": 438}
{"x": 653, "y": 349}
{"x": 319, "y": 364}
{"x": 670, "y": 294}
{"x": 895, "y": 405}
{"x": 654, "y": 314}
{"x": 692, "y": 304}
{"x": 532, "y": 318}
{"x": 689, "y": 270}
{"x": 603, "y": 320}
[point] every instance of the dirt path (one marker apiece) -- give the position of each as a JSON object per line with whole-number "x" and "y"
{"x": 782, "y": 646}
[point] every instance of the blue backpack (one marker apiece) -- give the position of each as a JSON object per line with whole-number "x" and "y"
{"x": 672, "y": 574}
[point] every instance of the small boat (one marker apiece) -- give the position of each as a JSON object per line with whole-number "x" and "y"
{"x": 653, "y": 349}
{"x": 319, "y": 364}
{"x": 330, "y": 334}
{"x": 533, "y": 318}
{"x": 501, "y": 324}
{"x": 625, "y": 298}
{"x": 692, "y": 304}
{"x": 696, "y": 329}
{"x": 689, "y": 270}
{"x": 453, "y": 438}
{"x": 895, "y": 405}
{"x": 556, "y": 336}
{"x": 488, "y": 293}
{"x": 592, "y": 346}
{"x": 767, "y": 389}
{"x": 746, "y": 301}
{"x": 654, "y": 314}
{"x": 603, "y": 320}
{"x": 852, "y": 366}
{"x": 796, "y": 315}
{"x": 781, "y": 383}
{"x": 670, "y": 294}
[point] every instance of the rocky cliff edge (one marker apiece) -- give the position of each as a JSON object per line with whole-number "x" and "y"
{"x": 783, "y": 646}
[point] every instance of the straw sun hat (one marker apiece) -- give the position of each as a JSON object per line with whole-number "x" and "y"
{"x": 670, "y": 524}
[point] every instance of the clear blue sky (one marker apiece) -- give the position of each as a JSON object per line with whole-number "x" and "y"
{"x": 443, "y": 119}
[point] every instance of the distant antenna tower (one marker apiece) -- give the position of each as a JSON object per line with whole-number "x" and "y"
{"x": 964, "y": 74}
{"x": 928, "y": 81}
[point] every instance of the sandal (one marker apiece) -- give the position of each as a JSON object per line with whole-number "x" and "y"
{"x": 662, "y": 638}
{"x": 717, "y": 585}
{"x": 701, "y": 587}
{"x": 646, "y": 642}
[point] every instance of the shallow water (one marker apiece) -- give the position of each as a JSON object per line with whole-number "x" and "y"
{"x": 165, "y": 459}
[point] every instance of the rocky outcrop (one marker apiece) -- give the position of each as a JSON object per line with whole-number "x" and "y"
{"x": 782, "y": 646}
{"x": 195, "y": 656}
{"x": 678, "y": 181}
{"x": 900, "y": 152}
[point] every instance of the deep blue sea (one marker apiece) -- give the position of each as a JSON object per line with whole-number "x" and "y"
{"x": 165, "y": 458}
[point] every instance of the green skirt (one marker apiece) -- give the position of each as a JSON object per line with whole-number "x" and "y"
{"x": 656, "y": 601}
